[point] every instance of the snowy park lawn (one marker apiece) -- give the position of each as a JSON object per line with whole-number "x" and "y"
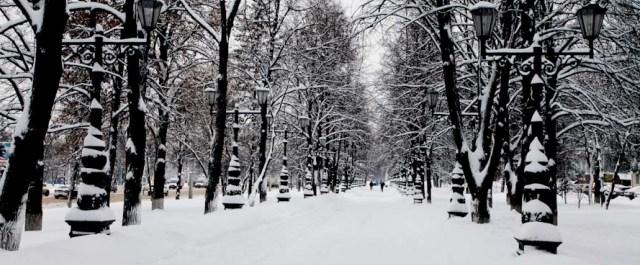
{"x": 358, "y": 227}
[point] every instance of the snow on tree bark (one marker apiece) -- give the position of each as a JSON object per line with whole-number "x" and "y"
{"x": 215, "y": 161}
{"x": 33, "y": 219}
{"x": 136, "y": 131}
{"x": 32, "y": 126}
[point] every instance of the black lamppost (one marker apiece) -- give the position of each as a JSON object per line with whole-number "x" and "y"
{"x": 432, "y": 103}
{"x": 92, "y": 214}
{"x": 233, "y": 193}
{"x": 304, "y": 122}
{"x": 212, "y": 95}
{"x": 539, "y": 211}
{"x": 262, "y": 94}
{"x": 283, "y": 189}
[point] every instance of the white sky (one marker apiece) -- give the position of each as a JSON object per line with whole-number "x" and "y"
{"x": 373, "y": 50}
{"x": 372, "y": 53}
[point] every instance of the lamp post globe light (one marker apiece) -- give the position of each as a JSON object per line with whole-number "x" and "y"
{"x": 590, "y": 18}
{"x": 148, "y": 12}
{"x": 484, "y": 16}
{"x": 262, "y": 94}
{"x": 303, "y": 121}
{"x": 211, "y": 94}
{"x": 432, "y": 99}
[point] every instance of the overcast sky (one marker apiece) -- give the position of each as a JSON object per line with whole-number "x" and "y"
{"x": 373, "y": 50}
{"x": 372, "y": 53}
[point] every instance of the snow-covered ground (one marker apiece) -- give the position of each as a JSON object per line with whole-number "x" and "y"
{"x": 358, "y": 227}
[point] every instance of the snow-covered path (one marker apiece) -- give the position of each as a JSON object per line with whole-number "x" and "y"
{"x": 358, "y": 227}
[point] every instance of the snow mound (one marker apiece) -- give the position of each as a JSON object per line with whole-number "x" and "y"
{"x": 93, "y": 142}
{"x": 97, "y": 215}
{"x": 536, "y": 186}
{"x": 233, "y": 199}
{"x": 456, "y": 207}
{"x": 90, "y": 152}
{"x": 457, "y": 170}
{"x": 536, "y": 116}
{"x": 536, "y": 156}
{"x": 536, "y": 206}
{"x": 538, "y": 231}
{"x": 457, "y": 196}
{"x": 535, "y": 168}
{"x": 87, "y": 189}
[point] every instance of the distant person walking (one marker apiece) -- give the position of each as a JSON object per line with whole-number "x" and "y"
{"x": 371, "y": 185}
{"x": 382, "y": 186}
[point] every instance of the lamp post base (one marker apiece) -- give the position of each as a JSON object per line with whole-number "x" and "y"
{"x": 457, "y": 214}
{"x": 232, "y": 205}
{"x": 551, "y": 247}
{"x": 83, "y": 228}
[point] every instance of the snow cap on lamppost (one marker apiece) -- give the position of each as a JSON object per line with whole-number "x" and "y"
{"x": 484, "y": 18}
{"x": 148, "y": 12}
{"x": 262, "y": 94}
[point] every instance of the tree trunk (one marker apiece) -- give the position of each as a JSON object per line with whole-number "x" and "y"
{"x": 30, "y": 132}
{"x": 34, "y": 200}
{"x": 136, "y": 139}
{"x": 114, "y": 132}
{"x": 215, "y": 162}
{"x": 596, "y": 178}
{"x": 616, "y": 177}
{"x": 74, "y": 178}
{"x": 180, "y": 165}
{"x": 157, "y": 201}
{"x": 115, "y": 129}
{"x": 263, "y": 153}
{"x": 428, "y": 159}
{"x": 480, "y": 207}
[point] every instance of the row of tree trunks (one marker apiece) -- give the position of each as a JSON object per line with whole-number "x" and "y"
{"x": 31, "y": 130}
